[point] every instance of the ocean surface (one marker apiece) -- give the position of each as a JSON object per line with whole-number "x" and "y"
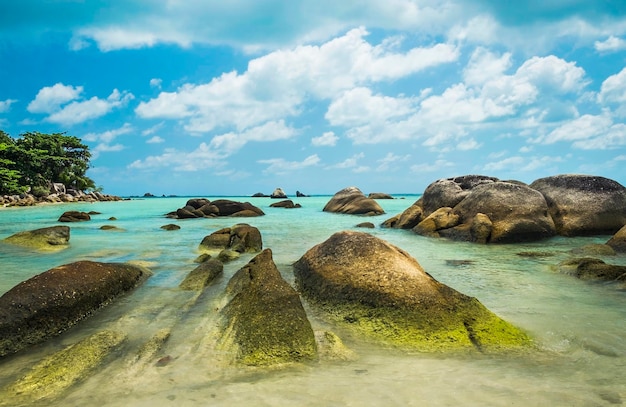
{"x": 579, "y": 327}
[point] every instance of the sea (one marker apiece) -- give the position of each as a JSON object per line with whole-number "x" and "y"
{"x": 579, "y": 327}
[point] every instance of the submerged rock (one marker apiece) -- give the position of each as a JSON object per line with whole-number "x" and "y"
{"x": 241, "y": 238}
{"x": 589, "y": 268}
{"x": 203, "y": 275}
{"x": 74, "y": 216}
{"x": 288, "y": 203}
{"x": 352, "y": 201}
{"x": 381, "y": 291}
{"x": 265, "y": 319}
{"x": 53, "y": 301}
{"x": 51, "y": 238}
{"x": 58, "y": 372}
{"x": 584, "y": 204}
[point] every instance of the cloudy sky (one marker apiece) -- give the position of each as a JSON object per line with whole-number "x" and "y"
{"x": 208, "y": 97}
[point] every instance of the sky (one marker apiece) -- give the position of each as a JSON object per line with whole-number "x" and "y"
{"x": 208, "y": 97}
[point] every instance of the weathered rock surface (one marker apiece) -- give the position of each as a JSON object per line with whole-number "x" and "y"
{"x": 589, "y": 268}
{"x": 74, "y": 216}
{"x": 241, "y": 238}
{"x": 58, "y": 372}
{"x": 51, "y": 238}
{"x": 53, "y": 301}
{"x": 352, "y": 201}
{"x": 584, "y": 204}
{"x": 278, "y": 194}
{"x": 288, "y": 204}
{"x": 368, "y": 225}
{"x": 479, "y": 209}
{"x": 618, "y": 241}
{"x": 265, "y": 319}
{"x": 203, "y": 275}
{"x": 379, "y": 195}
{"x": 202, "y": 208}
{"x": 383, "y": 292}
{"x": 170, "y": 227}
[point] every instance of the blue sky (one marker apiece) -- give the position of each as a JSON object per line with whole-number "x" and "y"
{"x": 203, "y": 97}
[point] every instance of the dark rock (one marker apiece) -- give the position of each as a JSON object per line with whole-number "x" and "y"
{"x": 110, "y": 227}
{"x": 241, "y": 238}
{"x": 588, "y": 268}
{"x": 265, "y": 317}
{"x": 229, "y": 208}
{"x": 202, "y": 258}
{"x": 53, "y": 301}
{"x": 369, "y": 225}
{"x": 260, "y": 195}
{"x": 379, "y": 195}
{"x": 352, "y": 201}
{"x": 288, "y": 203}
{"x": 381, "y": 291}
{"x": 94, "y": 213}
{"x": 51, "y": 238}
{"x": 594, "y": 250}
{"x": 203, "y": 275}
{"x": 227, "y": 255}
{"x": 201, "y": 208}
{"x": 74, "y": 216}
{"x": 583, "y": 204}
{"x": 197, "y": 203}
{"x": 301, "y": 195}
{"x": 170, "y": 226}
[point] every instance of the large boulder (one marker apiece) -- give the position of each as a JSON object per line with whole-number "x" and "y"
{"x": 241, "y": 238}
{"x": 352, "y": 201}
{"x": 53, "y": 301}
{"x": 584, "y": 204}
{"x": 51, "y": 238}
{"x": 381, "y": 291}
{"x": 618, "y": 240}
{"x": 266, "y": 322}
{"x": 74, "y": 216}
{"x": 287, "y": 203}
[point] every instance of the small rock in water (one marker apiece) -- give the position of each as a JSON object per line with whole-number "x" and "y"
{"x": 164, "y": 361}
{"x": 459, "y": 263}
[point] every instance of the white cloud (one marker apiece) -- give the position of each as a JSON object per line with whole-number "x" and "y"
{"x": 387, "y": 162}
{"x": 437, "y": 166}
{"x": 105, "y": 139}
{"x": 611, "y": 44}
{"x": 359, "y": 106}
{"x": 156, "y": 83}
{"x": 50, "y": 98}
{"x": 485, "y": 65}
{"x": 327, "y": 139}
{"x": 270, "y": 131}
{"x": 469, "y": 144}
{"x": 351, "y": 162}
{"x": 78, "y": 112}
{"x": 583, "y": 128}
{"x": 613, "y": 89}
{"x": 5, "y": 105}
{"x": 276, "y": 85}
{"x": 153, "y": 129}
{"x": 281, "y": 166}
{"x": 155, "y": 140}
{"x": 510, "y": 163}
{"x": 201, "y": 158}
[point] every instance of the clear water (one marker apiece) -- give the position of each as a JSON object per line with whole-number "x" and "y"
{"x": 579, "y": 326}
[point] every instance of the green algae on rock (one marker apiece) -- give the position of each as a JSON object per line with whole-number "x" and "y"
{"x": 46, "y": 239}
{"x": 381, "y": 291}
{"x": 56, "y": 373}
{"x": 266, "y": 322}
{"x": 203, "y": 275}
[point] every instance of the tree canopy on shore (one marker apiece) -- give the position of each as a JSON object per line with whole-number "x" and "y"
{"x": 34, "y": 161}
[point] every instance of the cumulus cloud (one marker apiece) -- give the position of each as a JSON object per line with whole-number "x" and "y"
{"x": 105, "y": 139}
{"x": 270, "y": 131}
{"x": 155, "y": 140}
{"x": 437, "y": 166}
{"x": 611, "y": 44}
{"x": 350, "y": 163}
{"x": 5, "y": 105}
{"x": 156, "y": 83}
{"x": 327, "y": 139}
{"x": 388, "y": 162}
{"x": 50, "y": 98}
{"x": 613, "y": 89}
{"x": 201, "y": 158}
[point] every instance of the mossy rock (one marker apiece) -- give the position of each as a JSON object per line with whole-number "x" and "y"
{"x": 59, "y": 371}
{"x": 265, "y": 320}
{"x": 45, "y": 239}
{"x": 203, "y": 275}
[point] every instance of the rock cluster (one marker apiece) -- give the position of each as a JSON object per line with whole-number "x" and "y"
{"x": 485, "y": 209}
{"x": 62, "y": 197}
{"x": 203, "y": 208}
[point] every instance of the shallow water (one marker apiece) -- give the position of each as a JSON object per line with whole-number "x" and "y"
{"x": 579, "y": 327}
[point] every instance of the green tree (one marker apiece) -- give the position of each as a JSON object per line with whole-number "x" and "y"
{"x": 10, "y": 176}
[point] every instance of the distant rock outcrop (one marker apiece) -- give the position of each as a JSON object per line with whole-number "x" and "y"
{"x": 51, "y": 302}
{"x": 203, "y": 208}
{"x": 288, "y": 203}
{"x": 381, "y": 291}
{"x": 301, "y": 195}
{"x": 352, "y": 201}
{"x": 278, "y": 194}
{"x": 51, "y": 238}
{"x": 266, "y": 322}
{"x": 584, "y": 204}
{"x": 379, "y": 195}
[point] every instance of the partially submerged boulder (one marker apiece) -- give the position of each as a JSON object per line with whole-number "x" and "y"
{"x": 352, "y": 201}
{"x": 592, "y": 269}
{"x": 203, "y": 275}
{"x": 584, "y": 204}
{"x": 266, "y": 322}
{"x": 203, "y": 208}
{"x": 53, "y": 301}
{"x": 74, "y": 216}
{"x": 50, "y": 238}
{"x": 379, "y": 195}
{"x": 56, "y": 373}
{"x": 383, "y": 292}
{"x": 241, "y": 238}
{"x": 287, "y": 203}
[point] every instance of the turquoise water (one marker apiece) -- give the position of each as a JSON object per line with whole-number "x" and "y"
{"x": 580, "y": 327}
